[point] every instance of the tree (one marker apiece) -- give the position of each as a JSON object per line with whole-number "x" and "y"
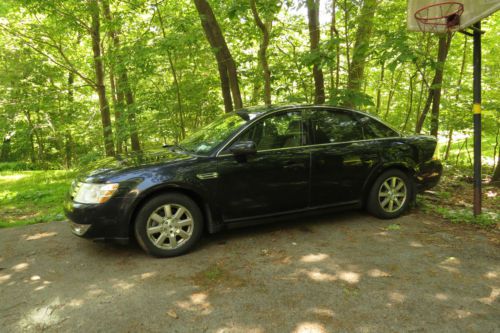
{"x": 265, "y": 28}
{"x": 122, "y": 81}
{"x": 361, "y": 49}
{"x": 99, "y": 78}
{"x": 225, "y": 62}
{"x": 314, "y": 39}
{"x": 434, "y": 95}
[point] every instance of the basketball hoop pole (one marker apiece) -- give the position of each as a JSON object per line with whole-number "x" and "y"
{"x": 477, "y": 118}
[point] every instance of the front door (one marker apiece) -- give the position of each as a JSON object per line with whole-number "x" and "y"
{"x": 275, "y": 179}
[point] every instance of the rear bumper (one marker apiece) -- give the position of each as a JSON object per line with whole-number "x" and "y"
{"x": 428, "y": 175}
{"x": 98, "y": 222}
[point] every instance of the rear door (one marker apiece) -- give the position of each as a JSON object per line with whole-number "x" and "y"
{"x": 341, "y": 158}
{"x": 275, "y": 179}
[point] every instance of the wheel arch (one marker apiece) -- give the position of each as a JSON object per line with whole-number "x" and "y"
{"x": 404, "y": 167}
{"x": 172, "y": 188}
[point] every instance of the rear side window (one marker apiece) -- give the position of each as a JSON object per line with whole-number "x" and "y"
{"x": 334, "y": 127}
{"x": 373, "y": 129}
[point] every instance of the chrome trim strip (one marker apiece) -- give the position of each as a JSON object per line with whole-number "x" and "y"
{"x": 319, "y": 145}
{"x": 331, "y": 108}
{"x": 209, "y": 175}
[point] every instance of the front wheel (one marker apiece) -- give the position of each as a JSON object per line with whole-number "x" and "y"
{"x": 168, "y": 225}
{"x": 390, "y": 194}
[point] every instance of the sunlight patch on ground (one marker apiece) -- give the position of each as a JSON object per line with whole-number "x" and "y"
{"x": 148, "y": 275}
{"x": 317, "y": 275}
{"x": 75, "y": 303}
{"x": 416, "y": 244}
{"x": 4, "y": 277}
{"x": 441, "y": 297}
{"x": 491, "y": 275}
{"x": 239, "y": 328}
{"x": 378, "y": 273}
{"x": 20, "y": 267}
{"x": 461, "y": 314}
{"x": 451, "y": 261}
{"x": 309, "y": 327}
{"x": 11, "y": 178}
{"x": 397, "y": 297}
{"x": 349, "y": 277}
{"x": 41, "y": 318}
{"x": 123, "y": 285}
{"x": 495, "y": 292}
{"x": 40, "y": 235}
{"x": 322, "y": 312}
{"x": 198, "y": 303}
{"x": 314, "y": 257}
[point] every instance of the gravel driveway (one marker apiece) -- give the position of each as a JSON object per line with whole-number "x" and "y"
{"x": 348, "y": 272}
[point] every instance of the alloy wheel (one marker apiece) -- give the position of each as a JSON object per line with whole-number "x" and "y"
{"x": 392, "y": 194}
{"x": 170, "y": 226}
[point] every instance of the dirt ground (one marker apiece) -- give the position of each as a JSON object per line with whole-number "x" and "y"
{"x": 348, "y": 272}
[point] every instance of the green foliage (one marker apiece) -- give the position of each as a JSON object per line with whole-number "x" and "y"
{"x": 488, "y": 219}
{"x": 28, "y": 197}
{"x": 49, "y": 110}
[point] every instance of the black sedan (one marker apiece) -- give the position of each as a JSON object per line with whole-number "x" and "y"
{"x": 248, "y": 167}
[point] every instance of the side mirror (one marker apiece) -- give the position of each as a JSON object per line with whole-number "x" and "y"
{"x": 243, "y": 148}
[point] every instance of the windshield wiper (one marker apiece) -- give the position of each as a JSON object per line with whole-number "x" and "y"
{"x": 175, "y": 147}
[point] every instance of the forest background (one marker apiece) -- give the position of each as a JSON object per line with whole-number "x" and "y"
{"x": 80, "y": 80}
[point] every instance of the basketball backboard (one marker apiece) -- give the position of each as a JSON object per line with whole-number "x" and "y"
{"x": 440, "y": 16}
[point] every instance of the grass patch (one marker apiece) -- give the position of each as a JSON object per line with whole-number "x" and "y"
{"x": 28, "y": 197}
{"x": 452, "y": 199}
{"x": 215, "y": 275}
{"x": 393, "y": 227}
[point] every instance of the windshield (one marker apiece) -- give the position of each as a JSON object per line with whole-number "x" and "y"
{"x": 210, "y": 136}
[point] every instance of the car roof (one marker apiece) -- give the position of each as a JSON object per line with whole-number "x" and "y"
{"x": 260, "y": 110}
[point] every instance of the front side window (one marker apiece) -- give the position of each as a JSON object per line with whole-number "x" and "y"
{"x": 334, "y": 127}
{"x": 209, "y": 137}
{"x": 284, "y": 130}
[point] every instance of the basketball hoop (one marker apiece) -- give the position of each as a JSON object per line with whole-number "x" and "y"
{"x": 440, "y": 17}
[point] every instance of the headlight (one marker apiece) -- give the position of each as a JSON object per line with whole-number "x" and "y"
{"x": 94, "y": 193}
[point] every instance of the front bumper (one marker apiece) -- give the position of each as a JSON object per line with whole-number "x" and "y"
{"x": 428, "y": 175}
{"x": 97, "y": 221}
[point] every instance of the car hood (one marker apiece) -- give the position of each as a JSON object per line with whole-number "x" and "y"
{"x": 100, "y": 170}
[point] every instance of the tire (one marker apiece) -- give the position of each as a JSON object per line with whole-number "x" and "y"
{"x": 392, "y": 185}
{"x": 174, "y": 222}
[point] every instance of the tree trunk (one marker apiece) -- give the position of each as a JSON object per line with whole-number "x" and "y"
{"x": 496, "y": 174}
{"x": 68, "y": 138}
{"x": 176, "y": 80}
{"x": 346, "y": 36}
{"x": 334, "y": 34}
{"x": 410, "y": 102}
{"x": 117, "y": 98}
{"x": 392, "y": 91}
{"x": 266, "y": 72}
{"x": 434, "y": 97}
{"x": 379, "y": 87}
{"x": 4, "y": 155}
{"x": 314, "y": 37}
{"x": 99, "y": 74}
{"x": 122, "y": 82}
{"x": 225, "y": 61}
{"x": 361, "y": 47}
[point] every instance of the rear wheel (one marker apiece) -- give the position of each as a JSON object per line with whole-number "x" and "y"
{"x": 390, "y": 194}
{"x": 168, "y": 225}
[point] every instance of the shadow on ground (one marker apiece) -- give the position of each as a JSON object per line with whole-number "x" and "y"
{"x": 347, "y": 272}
